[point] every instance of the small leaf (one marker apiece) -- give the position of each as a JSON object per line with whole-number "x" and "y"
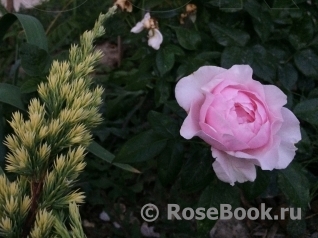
{"x": 175, "y": 50}
{"x": 282, "y": 4}
{"x": 296, "y": 192}
{"x": 226, "y": 5}
{"x": 227, "y": 36}
{"x": 197, "y": 172}
{"x": 140, "y": 148}
{"x": 170, "y": 162}
{"x": 236, "y": 55}
{"x": 313, "y": 93}
{"x": 164, "y": 60}
{"x": 163, "y": 124}
{"x": 208, "y": 55}
{"x": 287, "y": 75}
{"x": 105, "y": 155}
{"x": 308, "y": 110}
{"x": 301, "y": 32}
{"x": 256, "y": 188}
{"x": 261, "y": 20}
{"x": 162, "y": 91}
{"x": 189, "y": 66}
{"x": 263, "y": 64}
{"x": 188, "y": 38}
{"x": 11, "y": 94}
{"x": 213, "y": 196}
{"x": 307, "y": 61}
{"x": 218, "y": 193}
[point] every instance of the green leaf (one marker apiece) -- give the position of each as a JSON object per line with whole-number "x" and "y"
{"x": 170, "y": 162}
{"x": 214, "y": 195}
{"x": 308, "y": 110}
{"x": 261, "y": 20}
{"x": 295, "y": 185}
{"x": 282, "y": 4}
{"x": 218, "y": 193}
{"x": 301, "y": 33}
{"x": 287, "y": 75}
{"x": 256, "y": 188}
{"x": 227, "y": 5}
{"x": 164, "y": 60}
{"x": 11, "y": 94}
{"x": 175, "y": 50}
{"x": 142, "y": 147}
{"x": 227, "y": 36}
{"x": 162, "y": 91}
{"x": 34, "y": 60}
{"x": 188, "y": 67}
{"x": 33, "y": 29}
{"x": 163, "y": 124}
{"x": 197, "y": 172}
{"x": 140, "y": 82}
{"x": 188, "y": 38}
{"x": 31, "y": 85}
{"x": 307, "y": 61}
{"x": 105, "y": 155}
{"x": 263, "y": 64}
{"x": 236, "y": 55}
{"x": 313, "y": 93}
{"x": 139, "y": 53}
{"x": 100, "y": 152}
{"x": 208, "y": 55}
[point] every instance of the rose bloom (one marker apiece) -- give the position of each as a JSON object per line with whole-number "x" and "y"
{"x": 244, "y": 121}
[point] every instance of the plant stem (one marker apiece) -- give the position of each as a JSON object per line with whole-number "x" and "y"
{"x": 36, "y": 189}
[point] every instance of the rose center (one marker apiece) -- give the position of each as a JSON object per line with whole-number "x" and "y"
{"x": 243, "y": 113}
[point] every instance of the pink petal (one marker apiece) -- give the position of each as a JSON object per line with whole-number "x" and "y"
{"x": 287, "y": 153}
{"x": 188, "y": 89}
{"x": 190, "y": 126}
{"x": 289, "y": 134}
{"x": 275, "y": 99}
{"x": 230, "y": 169}
{"x": 146, "y": 17}
{"x": 290, "y": 129}
{"x": 211, "y": 140}
{"x": 140, "y": 25}
{"x": 262, "y": 136}
{"x": 137, "y": 28}
{"x": 239, "y": 77}
{"x": 155, "y": 38}
{"x": 265, "y": 157}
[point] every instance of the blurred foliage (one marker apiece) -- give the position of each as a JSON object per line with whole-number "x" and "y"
{"x": 278, "y": 39}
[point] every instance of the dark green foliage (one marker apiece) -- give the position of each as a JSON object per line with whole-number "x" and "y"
{"x": 278, "y": 39}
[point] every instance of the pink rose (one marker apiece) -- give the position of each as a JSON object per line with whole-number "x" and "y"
{"x": 244, "y": 121}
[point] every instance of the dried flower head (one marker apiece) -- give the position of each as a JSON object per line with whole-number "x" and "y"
{"x": 125, "y": 5}
{"x": 191, "y": 13}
